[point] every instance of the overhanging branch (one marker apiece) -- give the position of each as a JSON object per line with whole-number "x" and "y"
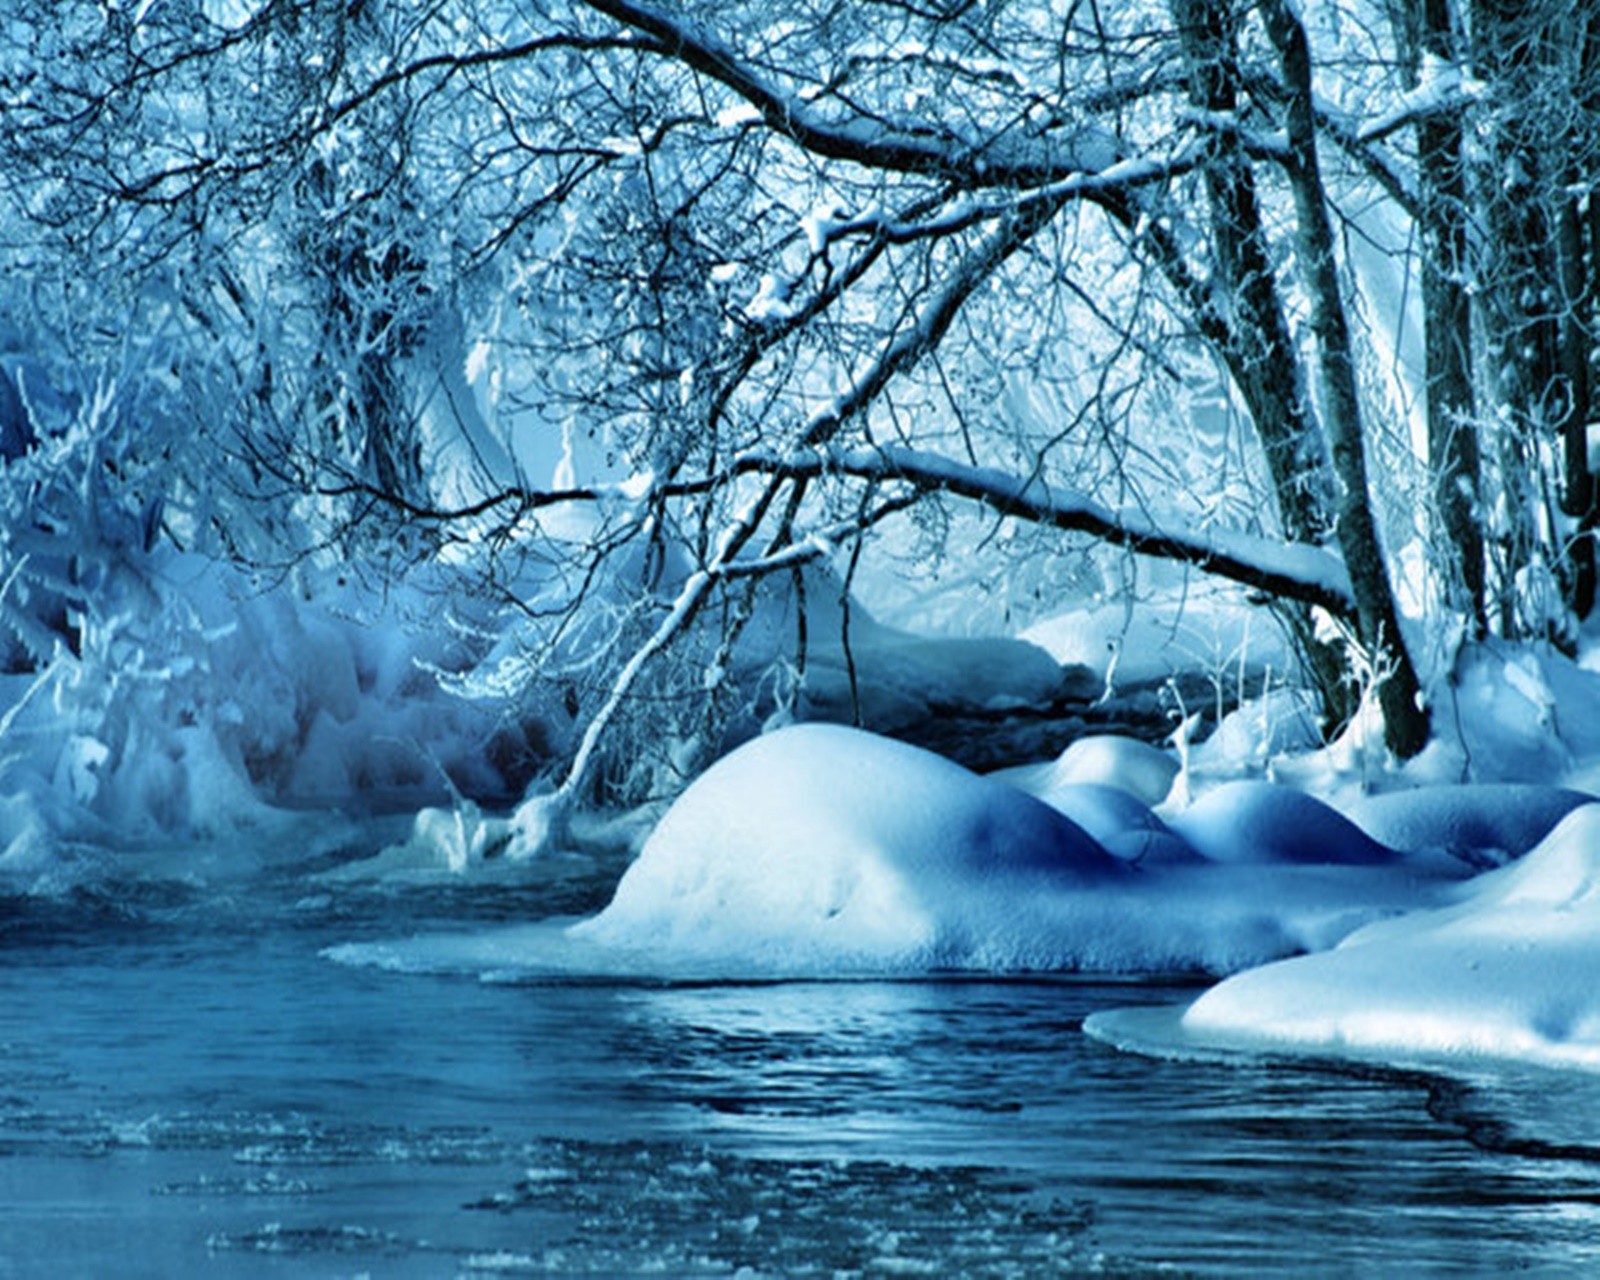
{"x": 1284, "y": 570}
{"x": 1288, "y": 571}
{"x": 932, "y": 150}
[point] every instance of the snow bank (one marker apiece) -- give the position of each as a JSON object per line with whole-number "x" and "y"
{"x": 1211, "y": 630}
{"x": 1483, "y": 826}
{"x": 820, "y": 845}
{"x": 820, "y": 851}
{"x": 1518, "y": 714}
{"x": 1264, "y": 823}
{"x": 1501, "y": 714}
{"x": 1104, "y": 759}
{"x": 1107, "y": 784}
{"x": 1508, "y": 972}
{"x": 1125, "y": 826}
{"x": 1254, "y": 738}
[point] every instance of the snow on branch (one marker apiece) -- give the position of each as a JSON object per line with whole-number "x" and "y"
{"x": 930, "y": 149}
{"x": 930, "y": 326}
{"x": 872, "y": 144}
{"x": 967, "y": 211}
{"x": 1444, "y": 89}
{"x": 1290, "y": 571}
{"x": 1363, "y": 144}
{"x": 1285, "y": 570}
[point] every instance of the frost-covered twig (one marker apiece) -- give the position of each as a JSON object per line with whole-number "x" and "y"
{"x": 542, "y": 822}
{"x": 872, "y": 142}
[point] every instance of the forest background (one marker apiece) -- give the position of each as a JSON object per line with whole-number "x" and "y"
{"x": 474, "y": 400}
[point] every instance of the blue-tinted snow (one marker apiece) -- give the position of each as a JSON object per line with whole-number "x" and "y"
{"x": 1507, "y": 972}
{"x": 824, "y": 851}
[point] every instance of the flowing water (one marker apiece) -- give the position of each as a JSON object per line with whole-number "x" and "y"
{"x": 189, "y": 1087}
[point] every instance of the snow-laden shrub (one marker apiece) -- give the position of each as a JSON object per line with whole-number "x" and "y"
{"x": 155, "y": 693}
{"x": 191, "y": 708}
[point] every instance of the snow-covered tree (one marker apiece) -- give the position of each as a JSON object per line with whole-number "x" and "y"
{"x": 771, "y": 280}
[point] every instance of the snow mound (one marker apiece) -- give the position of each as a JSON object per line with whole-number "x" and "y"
{"x": 1259, "y": 822}
{"x": 1529, "y": 715}
{"x": 1126, "y": 827}
{"x": 1508, "y": 973}
{"x": 1103, "y": 759}
{"x": 821, "y": 851}
{"x": 1484, "y": 826}
{"x": 1257, "y": 735}
{"x": 1162, "y": 915}
{"x": 821, "y": 844}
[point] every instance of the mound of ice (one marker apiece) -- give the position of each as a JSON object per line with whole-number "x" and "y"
{"x": 453, "y": 841}
{"x": 1509, "y": 972}
{"x": 26, "y": 849}
{"x": 821, "y": 845}
{"x": 1262, "y": 822}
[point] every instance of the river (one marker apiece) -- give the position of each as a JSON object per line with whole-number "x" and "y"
{"x": 189, "y": 1086}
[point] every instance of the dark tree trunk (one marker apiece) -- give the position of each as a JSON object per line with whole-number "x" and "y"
{"x": 1425, "y": 29}
{"x": 1405, "y": 717}
{"x": 1579, "y": 249}
{"x": 1519, "y": 278}
{"x": 1254, "y": 335}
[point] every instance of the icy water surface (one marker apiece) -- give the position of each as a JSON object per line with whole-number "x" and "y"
{"x": 189, "y": 1088}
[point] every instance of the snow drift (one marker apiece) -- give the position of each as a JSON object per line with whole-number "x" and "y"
{"x": 821, "y": 851}
{"x": 824, "y": 843}
{"x": 1507, "y": 972}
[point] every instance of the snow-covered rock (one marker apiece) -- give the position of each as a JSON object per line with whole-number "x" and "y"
{"x": 1103, "y": 759}
{"x": 1482, "y": 825}
{"x": 1262, "y": 822}
{"x": 821, "y": 847}
{"x": 1124, "y": 825}
{"x": 1508, "y": 972}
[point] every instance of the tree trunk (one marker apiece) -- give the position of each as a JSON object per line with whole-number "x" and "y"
{"x": 1254, "y": 336}
{"x": 1578, "y": 490}
{"x": 1424, "y": 29}
{"x": 1519, "y": 281}
{"x": 1405, "y": 717}
{"x": 1578, "y": 229}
